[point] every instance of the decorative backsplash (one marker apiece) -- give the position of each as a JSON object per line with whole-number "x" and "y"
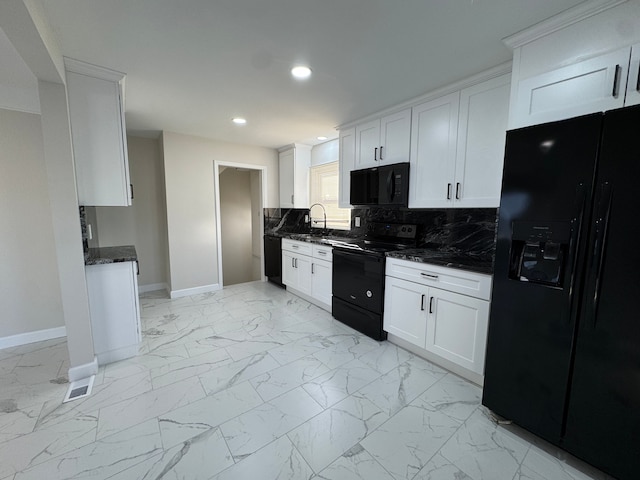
{"x": 469, "y": 230}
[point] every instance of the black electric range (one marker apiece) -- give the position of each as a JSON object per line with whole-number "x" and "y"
{"x": 359, "y": 276}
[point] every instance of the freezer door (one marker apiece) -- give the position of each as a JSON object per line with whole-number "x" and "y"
{"x": 603, "y": 422}
{"x": 545, "y": 204}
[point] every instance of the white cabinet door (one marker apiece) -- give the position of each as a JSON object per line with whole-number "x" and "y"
{"x": 405, "y": 306}
{"x": 395, "y": 137}
{"x": 593, "y": 85}
{"x": 434, "y": 127}
{"x": 633, "y": 81}
{"x": 484, "y": 112}
{"x": 98, "y": 135}
{"x": 114, "y": 310}
{"x": 367, "y": 144}
{"x": 294, "y": 163}
{"x": 321, "y": 280}
{"x": 287, "y": 178}
{"x": 303, "y": 268}
{"x": 289, "y": 272}
{"x": 457, "y": 328}
{"x": 347, "y": 152}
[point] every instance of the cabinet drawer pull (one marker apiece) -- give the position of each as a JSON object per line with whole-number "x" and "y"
{"x": 312, "y": 272}
{"x": 375, "y": 154}
{"x": 448, "y": 191}
{"x": 616, "y": 80}
{"x": 381, "y": 147}
{"x": 137, "y": 267}
{"x": 422, "y": 302}
{"x": 295, "y": 246}
{"x": 293, "y": 263}
{"x": 458, "y": 191}
{"x": 638, "y": 80}
{"x": 322, "y": 252}
{"x": 431, "y": 305}
{"x": 429, "y": 276}
{"x": 131, "y": 185}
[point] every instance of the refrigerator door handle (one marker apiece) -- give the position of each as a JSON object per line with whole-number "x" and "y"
{"x": 576, "y": 233}
{"x": 599, "y": 244}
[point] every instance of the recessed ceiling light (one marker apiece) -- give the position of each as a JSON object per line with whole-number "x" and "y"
{"x": 239, "y": 121}
{"x": 322, "y": 138}
{"x": 301, "y": 72}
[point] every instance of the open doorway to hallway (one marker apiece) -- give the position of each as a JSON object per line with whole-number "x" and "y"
{"x": 240, "y": 202}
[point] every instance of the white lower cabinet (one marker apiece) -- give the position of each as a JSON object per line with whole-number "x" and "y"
{"x": 423, "y": 306}
{"x": 114, "y": 310}
{"x": 404, "y": 310}
{"x": 457, "y": 329}
{"x": 307, "y": 271}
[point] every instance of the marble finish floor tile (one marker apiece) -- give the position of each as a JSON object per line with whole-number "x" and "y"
{"x": 329, "y": 435}
{"x": 253, "y": 430}
{"x": 254, "y": 382}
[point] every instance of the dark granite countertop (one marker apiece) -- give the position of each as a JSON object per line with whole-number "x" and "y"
{"x": 460, "y": 260}
{"x": 102, "y": 255}
{"x": 451, "y": 259}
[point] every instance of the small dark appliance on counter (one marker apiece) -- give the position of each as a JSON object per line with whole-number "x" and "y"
{"x": 359, "y": 276}
{"x": 387, "y": 185}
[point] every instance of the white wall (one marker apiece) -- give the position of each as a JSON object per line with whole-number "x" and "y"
{"x": 144, "y": 224}
{"x": 236, "y": 225}
{"x": 29, "y": 285}
{"x": 191, "y": 222}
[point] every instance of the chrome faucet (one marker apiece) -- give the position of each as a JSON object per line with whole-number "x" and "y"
{"x": 323, "y": 211}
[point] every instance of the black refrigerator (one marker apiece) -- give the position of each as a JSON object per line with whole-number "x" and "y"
{"x": 563, "y": 349}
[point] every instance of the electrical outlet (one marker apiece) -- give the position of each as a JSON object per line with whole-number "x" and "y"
{"x": 356, "y": 221}
{"x": 306, "y": 219}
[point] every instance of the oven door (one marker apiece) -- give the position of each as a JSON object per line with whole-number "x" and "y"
{"x": 358, "y": 278}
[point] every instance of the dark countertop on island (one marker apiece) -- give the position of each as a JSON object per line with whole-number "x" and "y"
{"x": 103, "y": 255}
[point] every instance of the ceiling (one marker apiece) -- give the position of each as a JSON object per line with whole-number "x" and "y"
{"x": 192, "y": 65}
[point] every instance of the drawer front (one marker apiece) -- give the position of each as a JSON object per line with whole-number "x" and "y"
{"x": 294, "y": 246}
{"x": 452, "y": 279}
{"x": 322, "y": 253}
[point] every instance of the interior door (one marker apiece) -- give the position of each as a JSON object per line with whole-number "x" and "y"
{"x": 604, "y": 416}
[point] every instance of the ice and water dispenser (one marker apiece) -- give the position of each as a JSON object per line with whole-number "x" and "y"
{"x": 538, "y": 252}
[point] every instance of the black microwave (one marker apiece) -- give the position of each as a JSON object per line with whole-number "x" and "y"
{"x": 387, "y": 185}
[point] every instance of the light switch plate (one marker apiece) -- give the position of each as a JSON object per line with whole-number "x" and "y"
{"x": 356, "y": 221}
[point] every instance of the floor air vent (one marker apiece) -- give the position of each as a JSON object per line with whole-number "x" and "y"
{"x": 79, "y": 389}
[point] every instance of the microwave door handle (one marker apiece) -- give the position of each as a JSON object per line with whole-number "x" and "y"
{"x": 390, "y": 192}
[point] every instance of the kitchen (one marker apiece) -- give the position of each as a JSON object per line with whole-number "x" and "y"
{"x": 198, "y": 152}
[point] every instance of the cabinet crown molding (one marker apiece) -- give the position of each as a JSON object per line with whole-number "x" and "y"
{"x": 299, "y": 146}
{"x": 84, "y": 68}
{"x": 558, "y": 22}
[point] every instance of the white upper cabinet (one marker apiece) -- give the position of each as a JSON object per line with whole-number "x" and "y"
{"x": 294, "y": 163}
{"x": 96, "y": 111}
{"x": 383, "y": 141}
{"x": 457, "y": 147}
{"x": 433, "y": 152}
{"x": 484, "y": 112}
{"x": 598, "y": 84}
{"x": 347, "y": 161}
{"x": 633, "y": 80}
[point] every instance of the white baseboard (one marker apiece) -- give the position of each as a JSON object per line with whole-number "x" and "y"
{"x": 315, "y": 301}
{"x": 153, "y": 287}
{"x": 195, "y": 291}
{"x": 83, "y": 371}
{"x": 118, "y": 354}
{"x": 31, "y": 337}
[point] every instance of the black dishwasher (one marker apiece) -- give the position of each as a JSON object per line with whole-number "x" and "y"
{"x": 273, "y": 259}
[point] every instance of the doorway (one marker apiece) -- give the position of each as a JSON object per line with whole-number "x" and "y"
{"x": 240, "y": 197}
